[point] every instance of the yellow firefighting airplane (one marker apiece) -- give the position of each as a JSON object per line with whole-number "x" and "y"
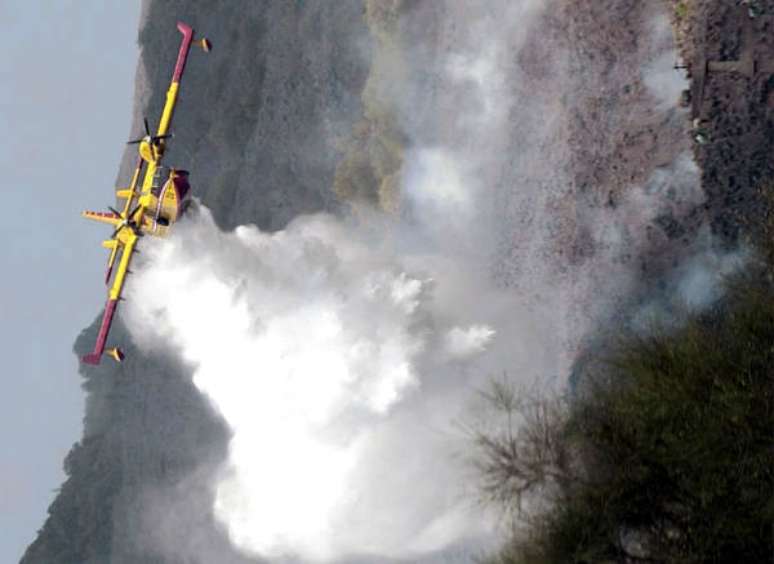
{"x": 160, "y": 201}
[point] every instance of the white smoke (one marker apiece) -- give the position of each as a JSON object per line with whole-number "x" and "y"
{"x": 700, "y": 279}
{"x": 663, "y": 81}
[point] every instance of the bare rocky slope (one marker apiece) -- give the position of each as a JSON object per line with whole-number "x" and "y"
{"x": 265, "y": 119}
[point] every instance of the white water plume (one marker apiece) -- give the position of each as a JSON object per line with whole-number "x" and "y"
{"x": 308, "y": 342}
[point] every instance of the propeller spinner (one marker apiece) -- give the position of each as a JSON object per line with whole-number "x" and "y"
{"x": 148, "y": 138}
{"x": 151, "y": 146}
{"x": 127, "y": 222}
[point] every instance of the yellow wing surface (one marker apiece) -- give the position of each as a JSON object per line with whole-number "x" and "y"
{"x": 151, "y": 209}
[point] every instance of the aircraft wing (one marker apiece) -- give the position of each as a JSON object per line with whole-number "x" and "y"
{"x": 114, "y": 296}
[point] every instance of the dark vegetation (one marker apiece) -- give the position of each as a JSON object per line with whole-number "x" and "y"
{"x": 734, "y": 108}
{"x": 664, "y": 452}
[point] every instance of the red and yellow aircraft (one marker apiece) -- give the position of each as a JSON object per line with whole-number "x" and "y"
{"x": 160, "y": 201}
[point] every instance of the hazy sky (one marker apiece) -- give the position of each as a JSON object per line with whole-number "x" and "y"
{"x": 66, "y": 87}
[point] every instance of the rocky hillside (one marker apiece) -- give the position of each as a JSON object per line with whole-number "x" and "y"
{"x": 589, "y": 177}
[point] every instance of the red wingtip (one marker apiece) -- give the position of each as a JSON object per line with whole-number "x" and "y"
{"x": 91, "y": 358}
{"x": 99, "y": 346}
{"x": 184, "y": 28}
{"x": 185, "y": 45}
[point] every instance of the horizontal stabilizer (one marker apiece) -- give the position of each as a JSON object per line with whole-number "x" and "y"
{"x": 103, "y": 217}
{"x": 125, "y": 193}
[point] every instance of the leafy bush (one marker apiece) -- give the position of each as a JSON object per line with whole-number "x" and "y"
{"x": 667, "y": 450}
{"x": 681, "y": 10}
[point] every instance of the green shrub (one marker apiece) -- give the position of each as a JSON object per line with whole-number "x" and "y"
{"x": 669, "y": 446}
{"x": 681, "y": 10}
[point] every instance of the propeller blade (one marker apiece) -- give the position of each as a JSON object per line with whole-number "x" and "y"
{"x": 117, "y": 231}
{"x": 111, "y": 262}
{"x": 134, "y": 211}
{"x": 115, "y": 211}
{"x": 141, "y": 139}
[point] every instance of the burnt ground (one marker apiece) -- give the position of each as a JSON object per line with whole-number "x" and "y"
{"x": 730, "y": 57}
